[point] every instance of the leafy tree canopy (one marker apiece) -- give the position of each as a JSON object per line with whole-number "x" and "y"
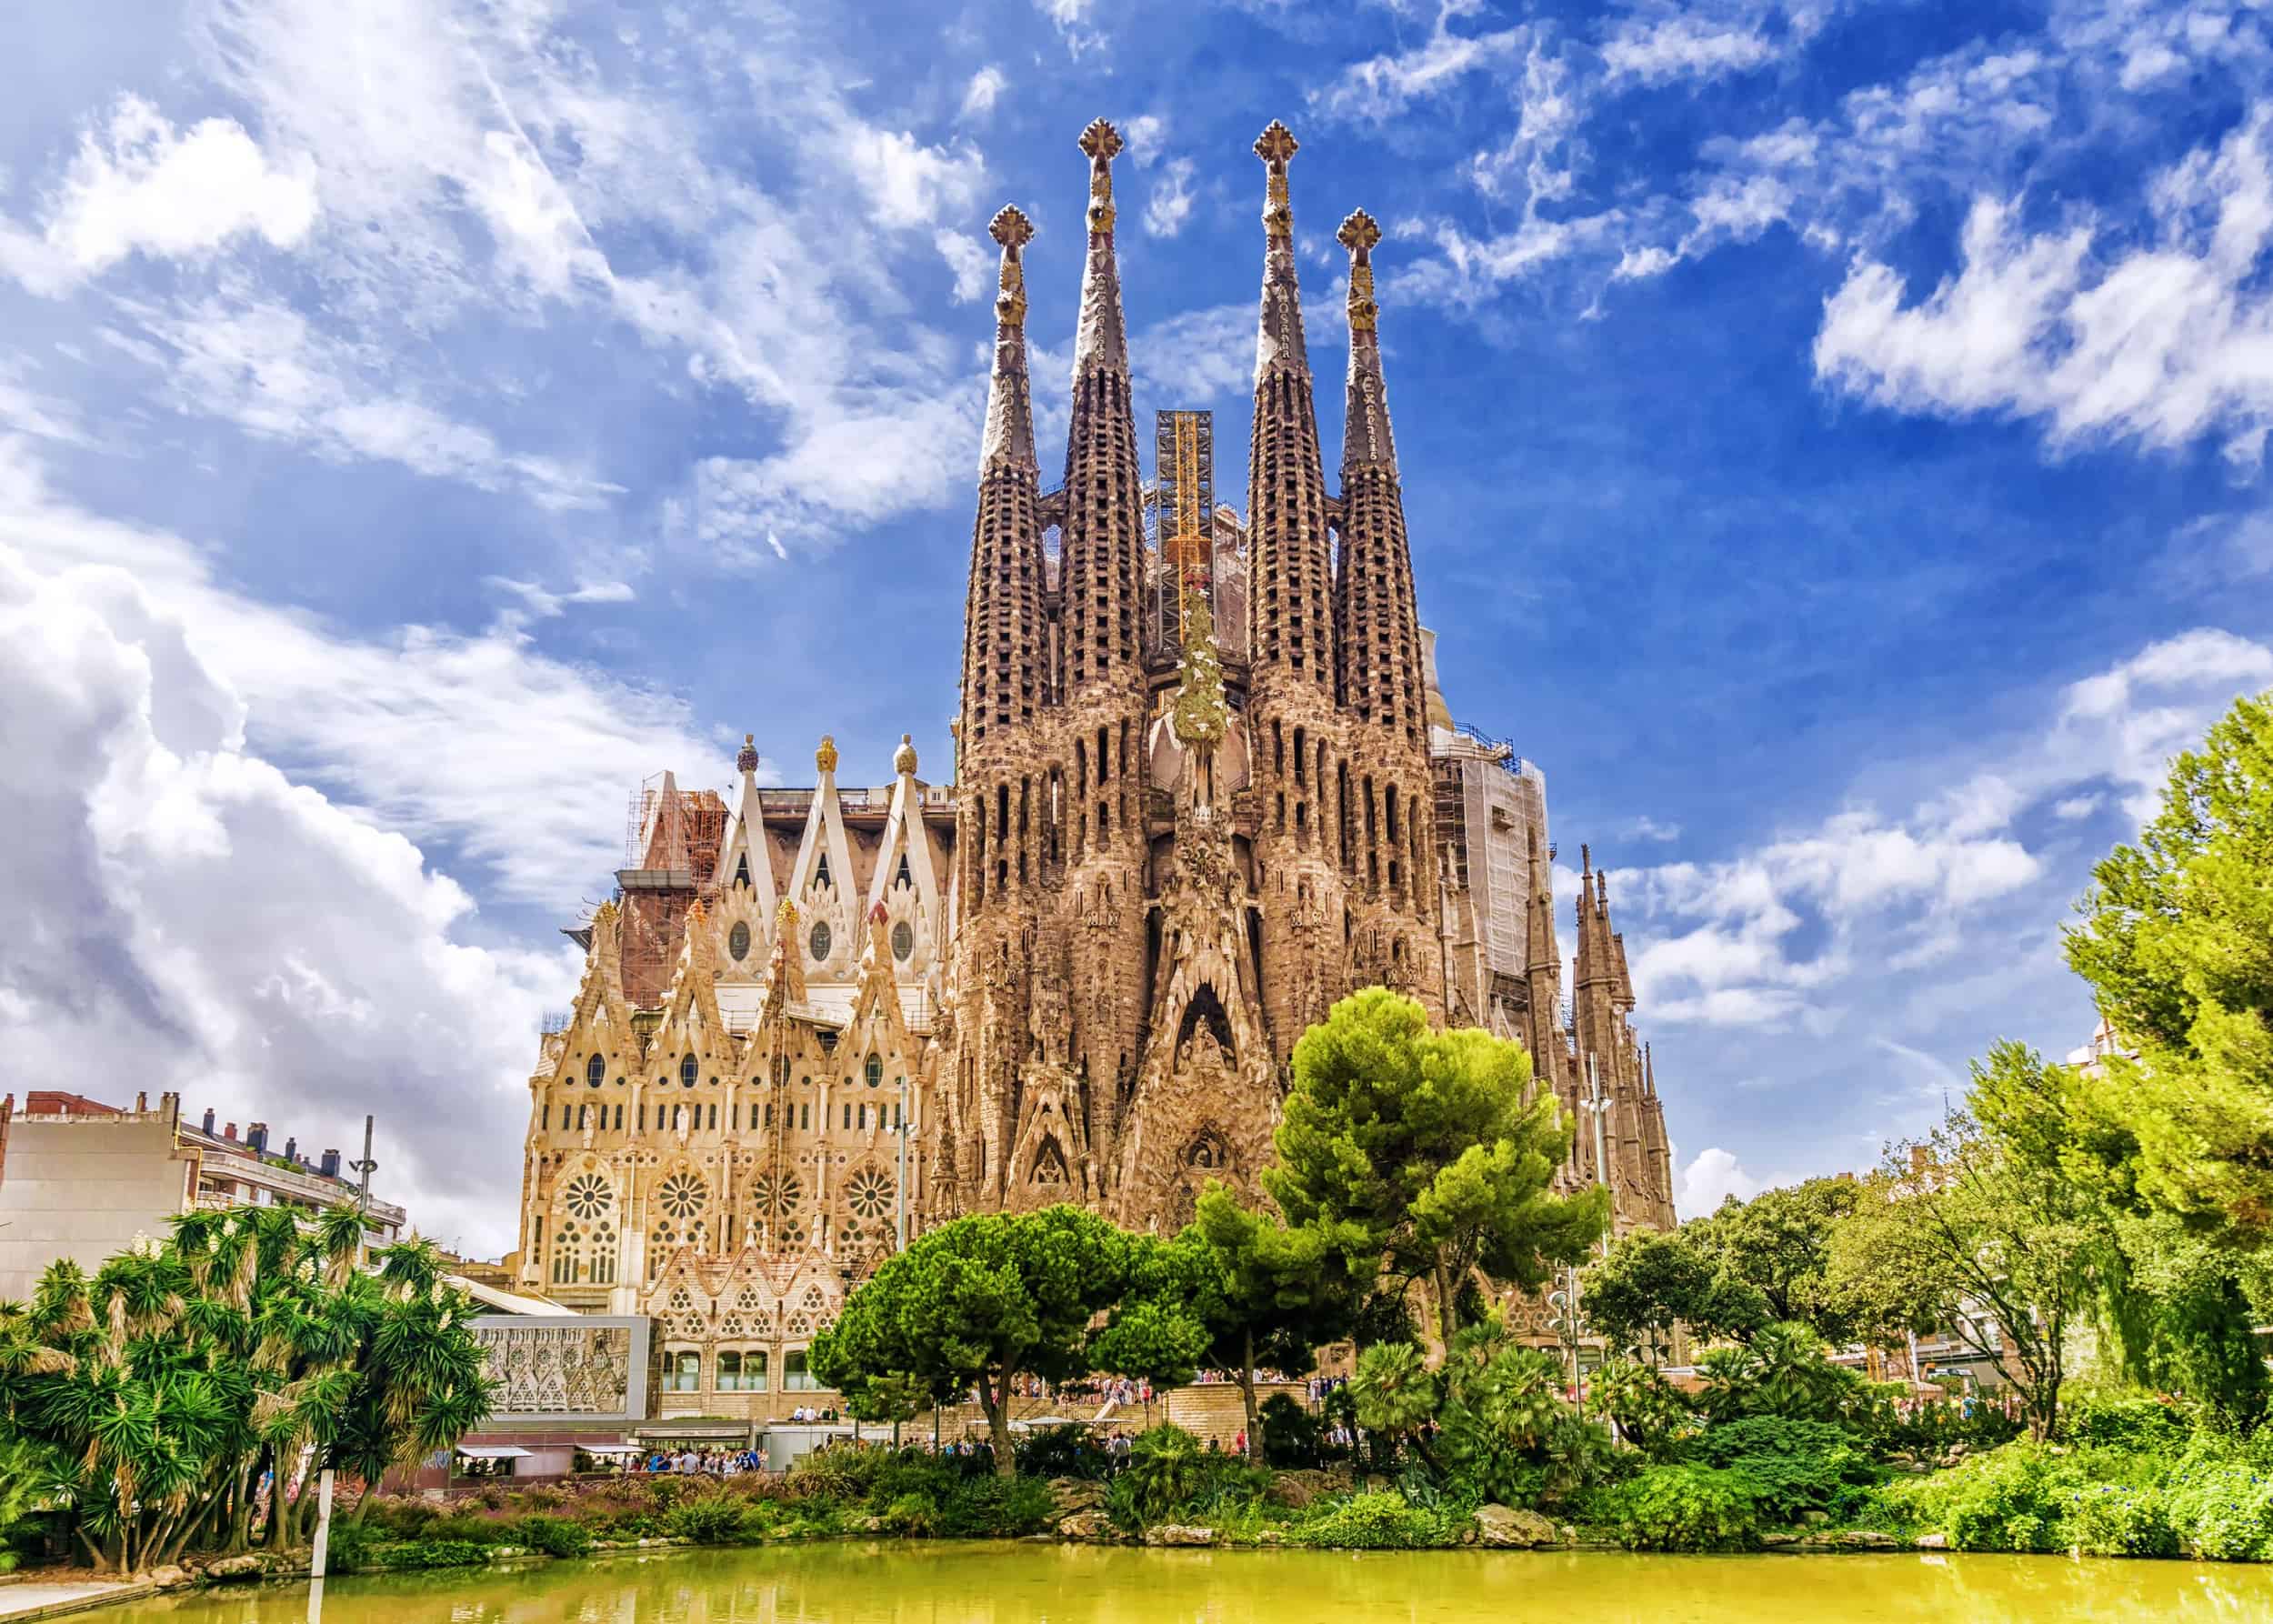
{"x": 1652, "y": 1281}
{"x": 1434, "y": 1144}
{"x": 1771, "y": 1252}
{"x": 1264, "y": 1294}
{"x": 987, "y": 1298}
{"x": 2177, "y": 941}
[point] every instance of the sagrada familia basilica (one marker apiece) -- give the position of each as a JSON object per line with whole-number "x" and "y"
{"x": 1205, "y": 786}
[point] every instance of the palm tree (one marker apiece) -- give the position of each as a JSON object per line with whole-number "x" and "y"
{"x": 171, "y": 1380}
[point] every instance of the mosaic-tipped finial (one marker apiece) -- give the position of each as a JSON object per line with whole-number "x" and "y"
{"x": 746, "y": 760}
{"x": 1014, "y": 231}
{"x": 1103, "y": 143}
{"x": 1274, "y": 146}
{"x": 824, "y": 758}
{"x": 1359, "y": 233}
{"x": 903, "y": 759}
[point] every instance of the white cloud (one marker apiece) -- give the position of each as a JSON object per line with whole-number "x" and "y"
{"x": 1683, "y": 47}
{"x": 187, "y": 917}
{"x": 1145, "y": 134}
{"x": 264, "y": 368}
{"x": 980, "y": 94}
{"x": 972, "y": 266}
{"x": 1645, "y": 827}
{"x": 519, "y": 761}
{"x": 1381, "y": 87}
{"x": 474, "y": 167}
{"x": 1711, "y": 1179}
{"x": 1196, "y": 354}
{"x": 2165, "y": 341}
{"x": 1771, "y": 936}
{"x": 1170, "y": 202}
{"x": 137, "y": 184}
{"x": 1072, "y": 18}
{"x": 909, "y": 183}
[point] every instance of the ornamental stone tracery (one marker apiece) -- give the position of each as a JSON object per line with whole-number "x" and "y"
{"x": 1074, "y": 969}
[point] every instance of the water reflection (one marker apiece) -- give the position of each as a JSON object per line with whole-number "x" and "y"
{"x": 883, "y": 1583}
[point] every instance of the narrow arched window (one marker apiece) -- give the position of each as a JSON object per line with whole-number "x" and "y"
{"x": 688, "y": 1071}
{"x": 874, "y": 1069}
{"x": 595, "y": 1069}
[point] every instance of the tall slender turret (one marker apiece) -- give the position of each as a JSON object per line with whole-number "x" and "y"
{"x": 997, "y": 827}
{"x": 1098, "y": 773}
{"x": 1376, "y": 629}
{"x": 1103, "y": 576}
{"x": 1312, "y": 805}
{"x": 1376, "y": 643}
{"x": 1290, "y": 590}
{"x": 1002, "y": 629}
{"x": 1543, "y": 976}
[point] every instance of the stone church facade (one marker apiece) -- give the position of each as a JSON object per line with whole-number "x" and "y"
{"x": 815, "y": 1020}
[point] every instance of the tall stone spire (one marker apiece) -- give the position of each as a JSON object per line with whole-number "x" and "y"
{"x": 1289, "y": 590}
{"x": 1102, "y": 581}
{"x": 1366, "y": 437}
{"x": 1003, "y": 635}
{"x": 1543, "y": 970}
{"x": 1009, "y": 438}
{"x": 1377, "y": 629}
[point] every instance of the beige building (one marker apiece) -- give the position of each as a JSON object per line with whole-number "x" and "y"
{"x": 1194, "y": 803}
{"x": 84, "y": 1180}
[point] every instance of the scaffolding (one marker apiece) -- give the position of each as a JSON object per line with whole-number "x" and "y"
{"x": 671, "y": 842}
{"x": 1180, "y": 520}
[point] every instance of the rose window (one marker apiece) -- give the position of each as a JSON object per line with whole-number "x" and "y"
{"x": 776, "y": 1196}
{"x": 588, "y": 1196}
{"x": 683, "y": 1195}
{"x": 869, "y": 1194}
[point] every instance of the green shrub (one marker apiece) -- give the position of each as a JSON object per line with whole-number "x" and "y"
{"x": 707, "y": 1520}
{"x": 436, "y": 1553}
{"x": 2117, "y": 1519}
{"x": 1795, "y": 1467}
{"x": 2011, "y": 1498}
{"x": 912, "y": 1517}
{"x": 350, "y": 1546}
{"x": 1654, "y": 1415}
{"x": 1378, "y": 1521}
{"x": 2135, "y": 1424}
{"x": 992, "y": 1507}
{"x": 1290, "y": 1433}
{"x": 841, "y": 1472}
{"x": 1683, "y": 1507}
{"x": 555, "y": 1536}
{"x": 1071, "y": 1451}
{"x": 1166, "y": 1469}
{"x": 2220, "y": 1504}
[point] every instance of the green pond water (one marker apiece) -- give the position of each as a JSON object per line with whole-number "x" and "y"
{"x": 885, "y": 1583}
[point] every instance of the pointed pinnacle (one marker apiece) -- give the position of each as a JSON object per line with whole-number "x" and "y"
{"x": 1010, "y": 227}
{"x": 1276, "y": 143}
{"x": 1359, "y": 233}
{"x": 1101, "y": 141}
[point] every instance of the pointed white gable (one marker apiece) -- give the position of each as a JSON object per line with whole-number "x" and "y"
{"x": 904, "y": 884}
{"x": 820, "y": 880}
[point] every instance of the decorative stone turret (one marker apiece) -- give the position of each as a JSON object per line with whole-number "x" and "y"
{"x": 1377, "y": 626}
{"x": 1290, "y": 589}
{"x": 1003, "y": 633}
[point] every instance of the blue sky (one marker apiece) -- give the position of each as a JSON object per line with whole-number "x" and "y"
{"x": 1833, "y": 436}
